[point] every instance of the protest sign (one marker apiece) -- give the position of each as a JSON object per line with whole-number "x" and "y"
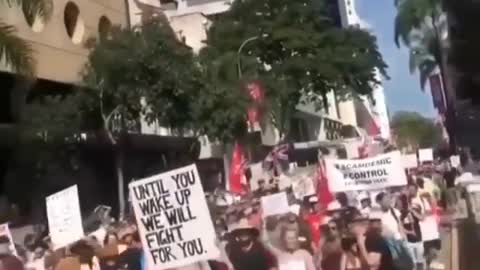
{"x": 64, "y": 217}
{"x": 410, "y": 161}
{"x": 173, "y": 219}
{"x": 378, "y": 172}
{"x": 455, "y": 161}
{"x": 425, "y": 155}
{"x": 5, "y": 231}
{"x": 275, "y": 204}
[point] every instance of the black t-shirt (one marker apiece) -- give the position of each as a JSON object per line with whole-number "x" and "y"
{"x": 449, "y": 177}
{"x": 375, "y": 243}
{"x": 412, "y": 223}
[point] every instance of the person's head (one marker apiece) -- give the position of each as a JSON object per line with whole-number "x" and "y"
{"x": 29, "y": 242}
{"x": 384, "y": 200}
{"x": 290, "y": 218}
{"x": 357, "y": 224}
{"x": 365, "y": 203}
{"x": 420, "y": 182}
{"x": 39, "y": 252}
{"x": 110, "y": 239}
{"x": 271, "y": 223}
{"x": 289, "y": 238}
{"x": 262, "y": 184}
{"x": 375, "y": 226}
{"x": 244, "y": 239}
{"x": 342, "y": 199}
{"x": 331, "y": 230}
{"x": 136, "y": 241}
{"x": 127, "y": 239}
{"x": 412, "y": 190}
{"x": 5, "y": 245}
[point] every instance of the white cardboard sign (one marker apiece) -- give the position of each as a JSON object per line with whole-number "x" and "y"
{"x": 64, "y": 217}
{"x": 425, "y": 155}
{"x": 173, "y": 219}
{"x": 5, "y": 231}
{"x": 275, "y": 204}
{"x": 410, "y": 161}
{"x": 455, "y": 161}
{"x": 374, "y": 173}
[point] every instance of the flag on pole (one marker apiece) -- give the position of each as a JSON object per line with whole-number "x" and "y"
{"x": 238, "y": 165}
{"x": 324, "y": 194}
{"x": 364, "y": 149}
{"x": 277, "y": 159}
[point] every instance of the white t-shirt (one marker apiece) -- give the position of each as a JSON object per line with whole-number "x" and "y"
{"x": 390, "y": 226}
{"x": 429, "y": 225}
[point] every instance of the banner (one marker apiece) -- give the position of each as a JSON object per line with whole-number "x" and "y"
{"x": 64, "y": 217}
{"x": 379, "y": 172}
{"x": 5, "y": 231}
{"x": 173, "y": 219}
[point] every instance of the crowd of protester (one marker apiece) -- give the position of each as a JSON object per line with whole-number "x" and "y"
{"x": 394, "y": 229}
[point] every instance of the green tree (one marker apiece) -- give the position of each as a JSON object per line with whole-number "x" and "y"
{"x": 16, "y": 52}
{"x": 296, "y": 50}
{"x": 144, "y": 72}
{"x": 415, "y": 131}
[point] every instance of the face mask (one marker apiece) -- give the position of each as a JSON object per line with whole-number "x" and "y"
{"x": 244, "y": 242}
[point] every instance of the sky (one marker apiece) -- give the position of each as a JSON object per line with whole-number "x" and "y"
{"x": 402, "y": 91}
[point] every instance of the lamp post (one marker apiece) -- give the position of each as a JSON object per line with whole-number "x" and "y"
{"x": 239, "y": 64}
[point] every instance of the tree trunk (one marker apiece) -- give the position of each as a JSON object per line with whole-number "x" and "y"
{"x": 119, "y": 158}
{"x": 448, "y": 89}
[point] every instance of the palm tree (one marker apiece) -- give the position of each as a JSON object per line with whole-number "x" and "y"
{"x": 426, "y": 51}
{"x": 421, "y": 25}
{"x": 14, "y": 51}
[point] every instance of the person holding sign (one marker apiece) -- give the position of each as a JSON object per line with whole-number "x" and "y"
{"x": 292, "y": 257}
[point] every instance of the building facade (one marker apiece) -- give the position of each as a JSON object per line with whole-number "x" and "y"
{"x": 59, "y": 44}
{"x": 375, "y": 110}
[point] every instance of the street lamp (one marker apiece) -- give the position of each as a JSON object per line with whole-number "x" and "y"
{"x": 245, "y": 42}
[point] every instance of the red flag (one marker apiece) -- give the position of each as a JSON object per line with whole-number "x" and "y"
{"x": 255, "y": 92}
{"x": 237, "y": 169}
{"x": 373, "y": 128}
{"x": 323, "y": 191}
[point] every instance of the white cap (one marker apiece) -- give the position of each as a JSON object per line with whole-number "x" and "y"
{"x": 313, "y": 199}
{"x": 334, "y": 206}
{"x": 363, "y": 196}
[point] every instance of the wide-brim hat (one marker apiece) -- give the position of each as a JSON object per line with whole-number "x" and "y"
{"x": 243, "y": 226}
{"x": 334, "y": 207}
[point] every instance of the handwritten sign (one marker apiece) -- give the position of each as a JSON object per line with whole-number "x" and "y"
{"x": 425, "y": 155}
{"x": 5, "y": 231}
{"x": 275, "y": 204}
{"x": 455, "y": 161}
{"x": 410, "y": 161}
{"x": 64, "y": 217}
{"x": 374, "y": 173}
{"x": 173, "y": 219}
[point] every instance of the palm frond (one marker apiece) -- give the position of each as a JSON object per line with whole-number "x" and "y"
{"x": 42, "y": 9}
{"x": 411, "y": 15}
{"x": 16, "y": 52}
{"x": 426, "y": 69}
